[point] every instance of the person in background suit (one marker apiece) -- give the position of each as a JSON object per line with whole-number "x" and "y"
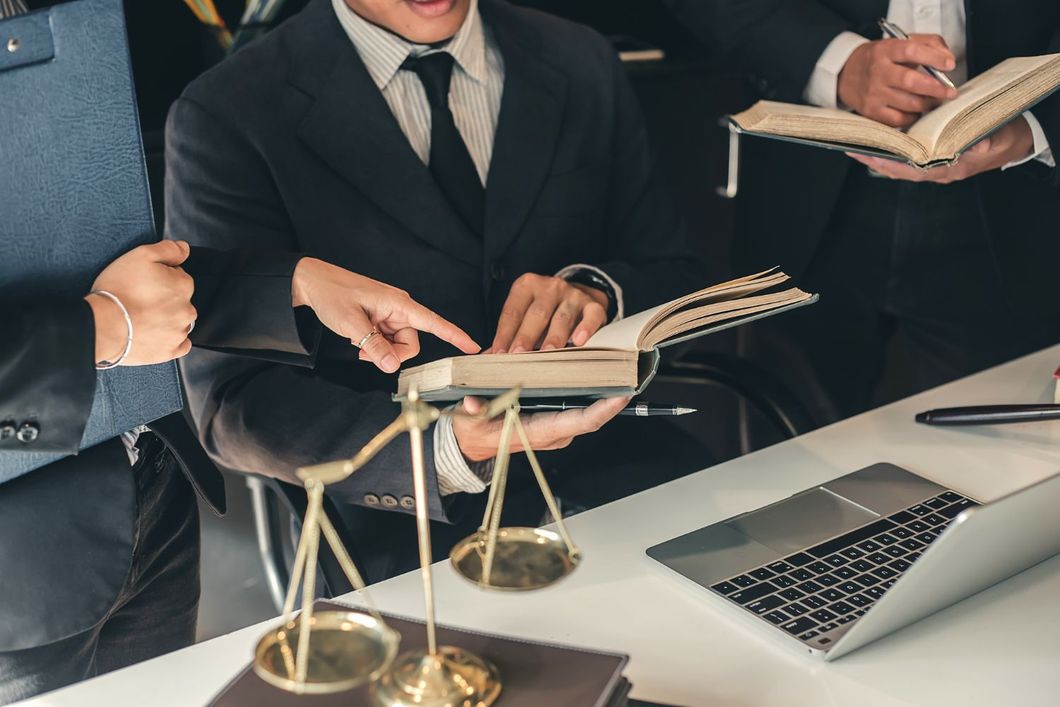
{"x": 489, "y": 159}
{"x": 925, "y": 276}
{"x": 100, "y": 551}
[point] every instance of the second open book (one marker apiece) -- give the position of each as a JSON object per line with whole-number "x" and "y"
{"x": 620, "y": 359}
{"x": 983, "y": 104}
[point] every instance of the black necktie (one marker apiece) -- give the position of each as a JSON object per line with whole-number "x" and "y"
{"x": 450, "y": 162}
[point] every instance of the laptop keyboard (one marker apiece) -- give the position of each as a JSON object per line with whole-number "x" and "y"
{"x": 834, "y": 583}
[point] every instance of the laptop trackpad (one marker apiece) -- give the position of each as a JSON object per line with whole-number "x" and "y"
{"x": 801, "y": 521}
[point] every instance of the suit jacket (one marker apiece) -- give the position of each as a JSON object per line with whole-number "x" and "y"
{"x": 788, "y": 192}
{"x": 67, "y": 530}
{"x": 290, "y": 145}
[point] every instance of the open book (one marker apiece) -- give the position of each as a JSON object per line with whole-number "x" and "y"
{"x": 983, "y": 104}
{"x": 620, "y": 359}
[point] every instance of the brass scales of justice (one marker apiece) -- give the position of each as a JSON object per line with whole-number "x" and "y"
{"x": 333, "y": 651}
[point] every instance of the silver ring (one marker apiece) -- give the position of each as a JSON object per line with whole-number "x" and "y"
{"x": 366, "y": 338}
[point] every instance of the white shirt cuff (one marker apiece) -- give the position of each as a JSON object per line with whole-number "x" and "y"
{"x": 1041, "y": 150}
{"x": 455, "y": 473}
{"x": 620, "y": 308}
{"x": 823, "y": 87}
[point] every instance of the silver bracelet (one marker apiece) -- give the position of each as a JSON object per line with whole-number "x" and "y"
{"x": 104, "y": 364}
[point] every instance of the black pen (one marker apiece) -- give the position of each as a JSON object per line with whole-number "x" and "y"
{"x": 990, "y": 414}
{"x": 634, "y": 409}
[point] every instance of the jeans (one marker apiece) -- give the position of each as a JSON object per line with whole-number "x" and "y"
{"x": 156, "y": 609}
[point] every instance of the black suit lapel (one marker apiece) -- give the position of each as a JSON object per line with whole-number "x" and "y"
{"x": 350, "y": 126}
{"x": 867, "y": 16}
{"x": 528, "y": 127}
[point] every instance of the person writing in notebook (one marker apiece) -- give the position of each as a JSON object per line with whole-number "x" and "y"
{"x": 882, "y": 80}
{"x": 487, "y": 158}
{"x": 924, "y": 275}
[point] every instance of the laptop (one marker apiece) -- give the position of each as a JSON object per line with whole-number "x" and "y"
{"x": 842, "y": 564}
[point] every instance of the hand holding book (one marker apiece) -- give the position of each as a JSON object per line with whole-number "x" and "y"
{"x": 480, "y": 439}
{"x": 618, "y": 360}
{"x": 1010, "y": 144}
{"x": 984, "y": 108}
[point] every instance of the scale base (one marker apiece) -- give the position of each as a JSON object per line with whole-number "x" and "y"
{"x": 452, "y": 678}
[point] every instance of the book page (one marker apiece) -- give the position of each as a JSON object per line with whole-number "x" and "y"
{"x": 699, "y": 317}
{"x": 829, "y": 125}
{"x": 625, "y": 333}
{"x": 981, "y": 89}
{"x": 630, "y": 333}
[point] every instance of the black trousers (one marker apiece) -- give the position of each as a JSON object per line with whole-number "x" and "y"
{"x": 910, "y": 298}
{"x": 627, "y": 456}
{"x": 152, "y": 614}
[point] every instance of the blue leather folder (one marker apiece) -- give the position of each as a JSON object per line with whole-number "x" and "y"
{"x": 73, "y": 187}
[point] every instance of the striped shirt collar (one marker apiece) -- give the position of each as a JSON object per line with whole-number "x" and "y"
{"x": 383, "y": 52}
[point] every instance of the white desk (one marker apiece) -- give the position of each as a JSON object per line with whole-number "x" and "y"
{"x": 999, "y": 647}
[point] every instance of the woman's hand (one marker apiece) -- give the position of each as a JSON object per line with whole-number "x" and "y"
{"x": 352, "y": 305}
{"x": 157, "y": 294}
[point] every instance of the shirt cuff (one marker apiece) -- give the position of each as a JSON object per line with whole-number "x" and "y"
{"x": 455, "y": 473}
{"x": 620, "y": 307}
{"x": 1041, "y": 150}
{"x": 823, "y": 87}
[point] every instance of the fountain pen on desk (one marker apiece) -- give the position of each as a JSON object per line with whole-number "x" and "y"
{"x": 989, "y": 414}
{"x": 634, "y": 409}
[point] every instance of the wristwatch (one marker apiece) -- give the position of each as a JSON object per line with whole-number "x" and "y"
{"x": 592, "y": 279}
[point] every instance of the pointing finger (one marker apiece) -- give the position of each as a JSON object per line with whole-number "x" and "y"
{"x": 431, "y": 322}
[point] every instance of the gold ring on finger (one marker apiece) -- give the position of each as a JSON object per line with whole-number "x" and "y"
{"x": 366, "y": 338}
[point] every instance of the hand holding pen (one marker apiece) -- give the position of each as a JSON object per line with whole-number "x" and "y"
{"x": 882, "y": 80}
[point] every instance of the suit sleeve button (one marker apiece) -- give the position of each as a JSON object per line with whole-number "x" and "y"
{"x": 370, "y": 499}
{"x": 389, "y": 501}
{"x": 7, "y": 429}
{"x": 28, "y": 432}
{"x": 408, "y": 502}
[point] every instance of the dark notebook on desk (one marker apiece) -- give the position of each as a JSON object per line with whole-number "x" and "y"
{"x": 73, "y": 188}
{"x": 534, "y": 674}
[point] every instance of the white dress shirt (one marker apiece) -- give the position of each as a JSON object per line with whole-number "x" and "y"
{"x": 942, "y": 17}
{"x": 475, "y": 101}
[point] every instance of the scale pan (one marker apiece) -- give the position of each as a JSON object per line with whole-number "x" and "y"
{"x": 525, "y": 559}
{"x": 346, "y": 649}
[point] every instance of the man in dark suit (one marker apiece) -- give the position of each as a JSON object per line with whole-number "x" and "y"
{"x": 924, "y": 276}
{"x": 364, "y": 133}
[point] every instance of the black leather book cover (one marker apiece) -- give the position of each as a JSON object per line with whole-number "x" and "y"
{"x": 534, "y": 674}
